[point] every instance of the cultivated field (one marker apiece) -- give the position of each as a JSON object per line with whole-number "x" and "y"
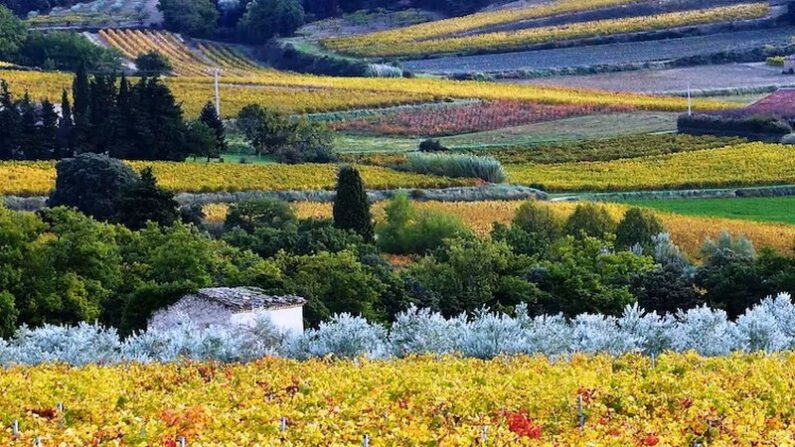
{"x": 707, "y": 78}
{"x": 609, "y": 55}
{"x": 506, "y": 401}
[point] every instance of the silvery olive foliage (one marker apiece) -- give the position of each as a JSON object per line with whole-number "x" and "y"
{"x": 767, "y": 327}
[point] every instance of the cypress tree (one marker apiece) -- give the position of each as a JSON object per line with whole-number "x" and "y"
{"x": 102, "y": 112}
{"x": 81, "y": 95}
{"x": 63, "y": 146}
{"x": 209, "y": 116}
{"x": 351, "y": 208}
{"x": 29, "y": 144}
{"x": 123, "y": 144}
{"x": 48, "y": 130}
{"x": 9, "y": 123}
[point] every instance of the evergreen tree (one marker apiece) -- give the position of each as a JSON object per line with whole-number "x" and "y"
{"x": 29, "y": 144}
{"x": 63, "y": 145}
{"x": 102, "y": 112}
{"x": 124, "y": 131}
{"x": 81, "y": 95}
{"x": 351, "y": 208}
{"x": 48, "y": 130}
{"x": 145, "y": 202}
{"x": 9, "y": 123}
{"x": 209, "y": 116}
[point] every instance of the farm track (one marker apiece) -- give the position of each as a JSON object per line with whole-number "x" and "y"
{"x": 608, "y": 55}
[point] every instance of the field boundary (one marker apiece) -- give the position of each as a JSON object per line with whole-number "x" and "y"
{"x": 706, "y": 193}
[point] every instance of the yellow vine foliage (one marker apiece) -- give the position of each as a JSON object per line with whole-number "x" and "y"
{"x": 368, "y": 46}
{"x": 37, "y": 178}
{"x": 737, "y": 400}
{"x": 472, "y": 22}
{"x": 688, "y": 232}
{"x": 308, "y": 93}
{"x": 739, "y": 165}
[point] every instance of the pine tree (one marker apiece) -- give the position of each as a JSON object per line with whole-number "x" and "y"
{"x": 209, "y": 116}
{"x": 145, "y": 202}
{"x": 63, "y": 146}
{"x": 9, "y": 123}
{"x": 351, "y": 208}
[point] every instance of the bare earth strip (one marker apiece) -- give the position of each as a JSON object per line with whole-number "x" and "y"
{"x": 676, "y": 80}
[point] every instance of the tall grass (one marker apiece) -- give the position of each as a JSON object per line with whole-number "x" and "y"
{"x": 486, "y": 168}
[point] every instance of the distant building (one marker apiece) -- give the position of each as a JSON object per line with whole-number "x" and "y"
{"x": 233, "y": 306}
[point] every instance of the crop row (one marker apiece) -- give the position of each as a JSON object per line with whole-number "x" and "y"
{"x": 622, "y": 54}
{"x": 186, "y": 61}
{"x": 688, "y": 232}
{"x": 472, "y": 22}
{"x": 37, "y": 178}
{"x": 306, "y": 93}
{"x": 584, "y": 400}
{"x": 605, "y": 149}
{"x": 631, "y": 146}
{"x": 466, "y": 118}
{"x": 512, "y": 40}
{"x": 741, "y": 165}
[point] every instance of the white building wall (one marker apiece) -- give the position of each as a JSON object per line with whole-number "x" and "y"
{"x": 289, "y": 319}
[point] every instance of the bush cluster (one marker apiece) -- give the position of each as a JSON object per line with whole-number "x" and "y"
{"x": 766, "y": 327}
{"x": 486, "y": 168}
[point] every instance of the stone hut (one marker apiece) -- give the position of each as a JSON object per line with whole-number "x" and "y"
{"x": 233, "y": 306}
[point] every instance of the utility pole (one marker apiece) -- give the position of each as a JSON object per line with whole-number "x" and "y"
{"x": 217, "y": 94}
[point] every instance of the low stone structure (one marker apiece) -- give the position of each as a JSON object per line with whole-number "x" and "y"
{"x": 233, "y": 306}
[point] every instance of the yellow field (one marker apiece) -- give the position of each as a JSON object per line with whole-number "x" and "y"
{"x": 738, "y": 400}
{"x": 439, "y": 28}
{"x": 37, "y": 178}
{"x": 371, "y": 45}
{"x": 199, "y": 61}
{"x": 688, "y": 232}
{"x": 308, "y": 93}
{"x": 741, "y": 165}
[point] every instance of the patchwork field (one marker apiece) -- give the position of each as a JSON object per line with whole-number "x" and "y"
{"x": 737, "y": 77}
{"x": 615, "y": 55}
{"x": 377, "y": 45}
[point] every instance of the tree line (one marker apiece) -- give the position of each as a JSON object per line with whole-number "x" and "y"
{"x": 117, "y": 248}
{"x": 106, "y": 114}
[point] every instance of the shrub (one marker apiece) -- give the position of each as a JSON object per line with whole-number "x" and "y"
{"x": 788, "y": 138}
{"x": 145, "y": 202}
{"x": 637, "y": 227}
{"x": 590, "y": 219}
{"x": 91, "y": 183}
{"x": 431, "y": 145}
{"x": 406, "y": 231}
{"x": 485, "y": 168}
{"x": 254, "y": 214}
{"x": 534, "y": 218}
{"x": 8, "y": 315}
{"x": 152, "y": 63}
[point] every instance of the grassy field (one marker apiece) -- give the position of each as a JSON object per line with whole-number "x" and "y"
{"x": 762, "y": 209}
{"x": 346, "y": 143}
{"x": 578, "y": 128}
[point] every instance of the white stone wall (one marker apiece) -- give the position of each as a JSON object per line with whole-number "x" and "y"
{"x": 203, "y": 314}
{"x": 290, "y": 319}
